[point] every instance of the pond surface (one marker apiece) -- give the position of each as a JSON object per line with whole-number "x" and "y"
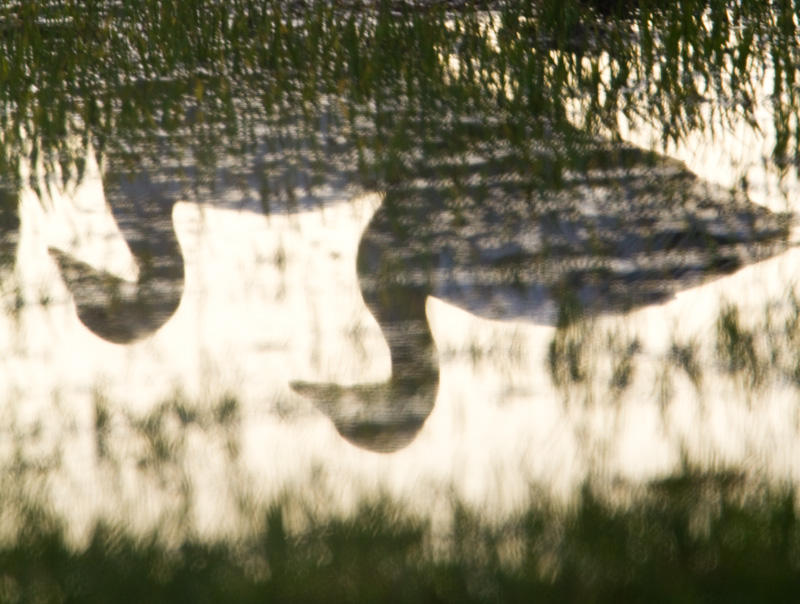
{"x": 224, "y": 302}
{"x": 274, "y": 300}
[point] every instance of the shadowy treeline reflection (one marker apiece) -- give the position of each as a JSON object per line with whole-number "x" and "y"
{"x": 493, "y": 199}
{"x": 692, "y": 537}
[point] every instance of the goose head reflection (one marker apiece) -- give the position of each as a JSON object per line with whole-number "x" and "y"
{"x": 115, "y": 309}
{"x": 386, "y": 417}
{"x": 611, "y": 229}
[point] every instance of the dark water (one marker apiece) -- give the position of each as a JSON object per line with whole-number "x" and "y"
{"x": 392, "y": 166}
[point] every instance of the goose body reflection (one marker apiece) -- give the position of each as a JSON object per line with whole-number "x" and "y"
{"x": 526, "y": 233}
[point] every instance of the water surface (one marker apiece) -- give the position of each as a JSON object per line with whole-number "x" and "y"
{"x": 357, "y": 269}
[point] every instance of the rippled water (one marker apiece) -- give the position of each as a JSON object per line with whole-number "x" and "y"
{"x": 273, "y": 299}
{"x": 438, "y": 307}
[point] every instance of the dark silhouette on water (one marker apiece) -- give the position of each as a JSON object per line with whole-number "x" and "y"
{"x": 523, "y": 232}
{"x": 509, "y": 220}
{"x": 121, "y": 311}
{"x": 278, "y": 169}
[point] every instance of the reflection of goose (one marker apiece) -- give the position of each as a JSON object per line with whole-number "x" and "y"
{"x": 121, "y": 311}
{"x": 278, "y": 168}
{"x": 517, "y": 233}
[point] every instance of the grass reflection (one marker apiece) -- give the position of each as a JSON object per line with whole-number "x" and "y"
{"x": 685, "y": 357}
{"x": 736, "y": 347}
{"x": 692, "y": 537}
{"x": 86, "y": 69}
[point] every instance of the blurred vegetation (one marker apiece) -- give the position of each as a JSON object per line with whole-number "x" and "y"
{"x": 697, "y": 535}
{"x": 87, "y": 70}
{"x": 692, "y": 537}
